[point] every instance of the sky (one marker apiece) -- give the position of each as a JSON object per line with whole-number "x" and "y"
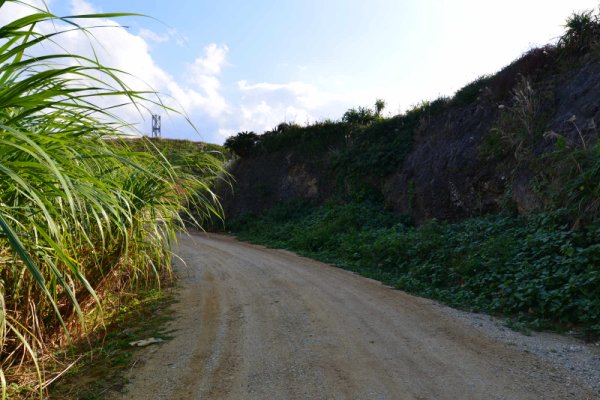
{"x": 242, "y": 65}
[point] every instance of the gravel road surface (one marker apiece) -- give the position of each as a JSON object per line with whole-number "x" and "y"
{"x": 256, "y": 323}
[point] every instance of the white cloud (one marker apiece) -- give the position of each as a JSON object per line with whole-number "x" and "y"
{"x": 212, "y": 62}
{"x": 170, "y": 34}
{"x": 261, "y": 115}
{"x": 264, "y": 105}
{"x": 305, "y": 94}
{"x": 259, "y": 106}
{"x": 13, "y": 11}
{"x": 152, "y": 36}
{"x": 262, "y": 109}
{"x": 180, "y": 40}
{"x": 118, "y": 48}
{"x": 204, "y": 74}
{"x": 224, "y": 133}
{"x": 81, "y": 7}
{"x": 297, "y": 115}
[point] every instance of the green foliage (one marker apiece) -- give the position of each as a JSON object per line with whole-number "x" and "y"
{"x": 359, "y": 116}
{"x": 202, "y": 162}
{"x": 311, "y": 140}
{"x": 376, "y": 149}
{"x": 364, "y": 115}
{"x": 470, "y": 92}
{"x": 582, "y": 32}
{"x": 426, "y": 110}
{"x": 520, "y": 124}
{"x": 82, "y": 209}
{"x": 532, "y": 269}
{"x": 242, "y": 144}
{"x": 379, "y": 106}
{"x": 572, "y": 182}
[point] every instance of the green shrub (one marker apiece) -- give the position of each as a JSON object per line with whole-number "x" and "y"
{"x": 572, "y": 183}
{"x": 241, "y": 144}
{"x": 582, "y": 32}
{"x": 470, "y": 92}
{"x": 359, "y": 116}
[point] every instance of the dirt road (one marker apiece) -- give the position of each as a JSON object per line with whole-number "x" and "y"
{"x": 255, "y": 323}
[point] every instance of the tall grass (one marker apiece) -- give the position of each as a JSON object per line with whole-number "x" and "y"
{"x": 80, "y": 215}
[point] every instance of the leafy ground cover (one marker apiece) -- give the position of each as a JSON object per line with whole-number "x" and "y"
{"x": 534, "y": 270}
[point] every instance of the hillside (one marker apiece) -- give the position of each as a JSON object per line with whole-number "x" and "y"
{"x": 192, "y": 156}
{"x": 487, "y": 201}
{"x": 483, "y": 150}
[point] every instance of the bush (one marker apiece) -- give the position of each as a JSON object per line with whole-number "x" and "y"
{"x": 359, "y": 116}
{"x": 242, "y": 144}
{"x": 582, "y": 32}
{"x": 470, "y": 92}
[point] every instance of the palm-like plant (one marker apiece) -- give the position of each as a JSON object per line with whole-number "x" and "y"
{"x": 582, "y": 32}
{"x": 79, "y": 209}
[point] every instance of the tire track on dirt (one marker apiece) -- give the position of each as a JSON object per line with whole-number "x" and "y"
{"x": 256, "y": 323}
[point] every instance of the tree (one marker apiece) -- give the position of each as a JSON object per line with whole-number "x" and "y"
{"x": 379, "y": 106}
{"x": 360, "y": 116}
{"x": 242, "y": 143}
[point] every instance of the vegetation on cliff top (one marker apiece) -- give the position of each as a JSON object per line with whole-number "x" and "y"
{"x": 579, "y": 44}
{"x": 363, "y": 148}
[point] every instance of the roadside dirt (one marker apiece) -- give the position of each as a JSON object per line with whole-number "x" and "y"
{"x": 256, "y": 323}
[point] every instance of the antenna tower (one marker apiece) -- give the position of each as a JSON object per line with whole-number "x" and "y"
{"x": 155, "y": 126}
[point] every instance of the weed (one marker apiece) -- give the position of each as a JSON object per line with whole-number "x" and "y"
{"x": 518, "y": 124}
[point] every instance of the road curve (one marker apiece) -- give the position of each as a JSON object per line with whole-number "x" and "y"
{"x": 256, "y": 323}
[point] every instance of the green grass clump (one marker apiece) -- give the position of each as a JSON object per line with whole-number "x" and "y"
{"x": 532, "y": 269}
{"x": 582, "y": 32}
{"x": 82, "y": 212}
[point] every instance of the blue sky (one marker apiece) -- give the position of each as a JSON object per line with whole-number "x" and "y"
{"x": 248, "y": 65}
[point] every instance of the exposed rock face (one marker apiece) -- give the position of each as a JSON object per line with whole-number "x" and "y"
{"x": 262, "y": 182}
{"x": 445, "y": 175}
{"x": 578, "y": 95}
